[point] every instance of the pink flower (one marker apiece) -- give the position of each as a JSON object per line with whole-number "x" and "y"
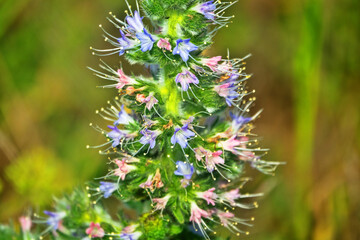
{"x": 213, "y": 159}
{"x": 198, "y": 213}
{"x": 150, "y": 101}
{"x": 123, "y": 169}
{"x": 130, "y": 159}
{"x": 245, "y": 155}
{"x": 211, "y": 62}
{"x": 223, "y": 90}
{"x": 229, "y": 221}
{"x": 147, "y": 183}
{"x": 224, "y": 217}
{"x": 230, "y": 144}
{"x": 225, "y": 67}
{"x": 140, "y": 98}
{"x": 153, "y": 182}
{"x": 124, "y": 80}
{"x": 196, "y": 217}
{"x": 95, "y": 231}
{"x": 200, "y": 152}
{"x": 164, "y": 44}
{"x": 25, "y": 223}
{"x": 228, "y": 91}
{"x": 243, "y": 140}
{"x": 231, "y": 196}
{"x": 208, "y": 195}
{"x": 161, "y": 202}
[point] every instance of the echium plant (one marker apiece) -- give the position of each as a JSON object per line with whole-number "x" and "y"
{"x": 178, "y": 141}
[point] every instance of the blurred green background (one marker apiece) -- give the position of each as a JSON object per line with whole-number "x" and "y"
{"x": 306, "y": 57}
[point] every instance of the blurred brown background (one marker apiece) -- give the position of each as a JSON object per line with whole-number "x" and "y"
{"x": 306, "y": 75}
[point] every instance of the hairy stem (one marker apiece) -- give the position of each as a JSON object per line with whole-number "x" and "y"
{"x": 173, "y": 22}
{"x": 169, "y": 93}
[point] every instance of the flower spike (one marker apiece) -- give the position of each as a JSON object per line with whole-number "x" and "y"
{"x": 167, "y": 156}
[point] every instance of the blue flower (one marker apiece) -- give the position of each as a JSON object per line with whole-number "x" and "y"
{"x": 128, "y": 233}
{"x": 54, "y": 219}
{"x": 207, "y": 9}
{"x": 125, "y": 43}
{"x": 185, "y": 78}
{"x": 181, "y": 135}
{"x": 149, "y": 137}
{"x": 130, "y": 236}
{"x": 184, "y": 169}
{"x": 123, "y": 117}
{"x": 146, "y": 40}
{"x": 108, "y": 188}
{"x": 135, "y": 23}
{"x": 116, "y": 135}
{"x": 239, "y": 121}
{"x": 148, "y": 123}
{"x": 233, "y": 77}
{"x": 183, "y": 48}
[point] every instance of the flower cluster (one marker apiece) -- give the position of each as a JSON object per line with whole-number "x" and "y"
{"x": 176, "y": 141}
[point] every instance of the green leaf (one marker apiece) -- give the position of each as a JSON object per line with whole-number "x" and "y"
{"x": 175, "y": 229}
{"x": 178, "y": 215}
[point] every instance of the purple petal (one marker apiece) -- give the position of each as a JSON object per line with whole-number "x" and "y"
{"x": 135, "y": 23}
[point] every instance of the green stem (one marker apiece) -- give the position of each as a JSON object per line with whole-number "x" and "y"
{"x": 170, "y": 94}
{"x": 174, "y": 20}
{"x": 168, "y": 89}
